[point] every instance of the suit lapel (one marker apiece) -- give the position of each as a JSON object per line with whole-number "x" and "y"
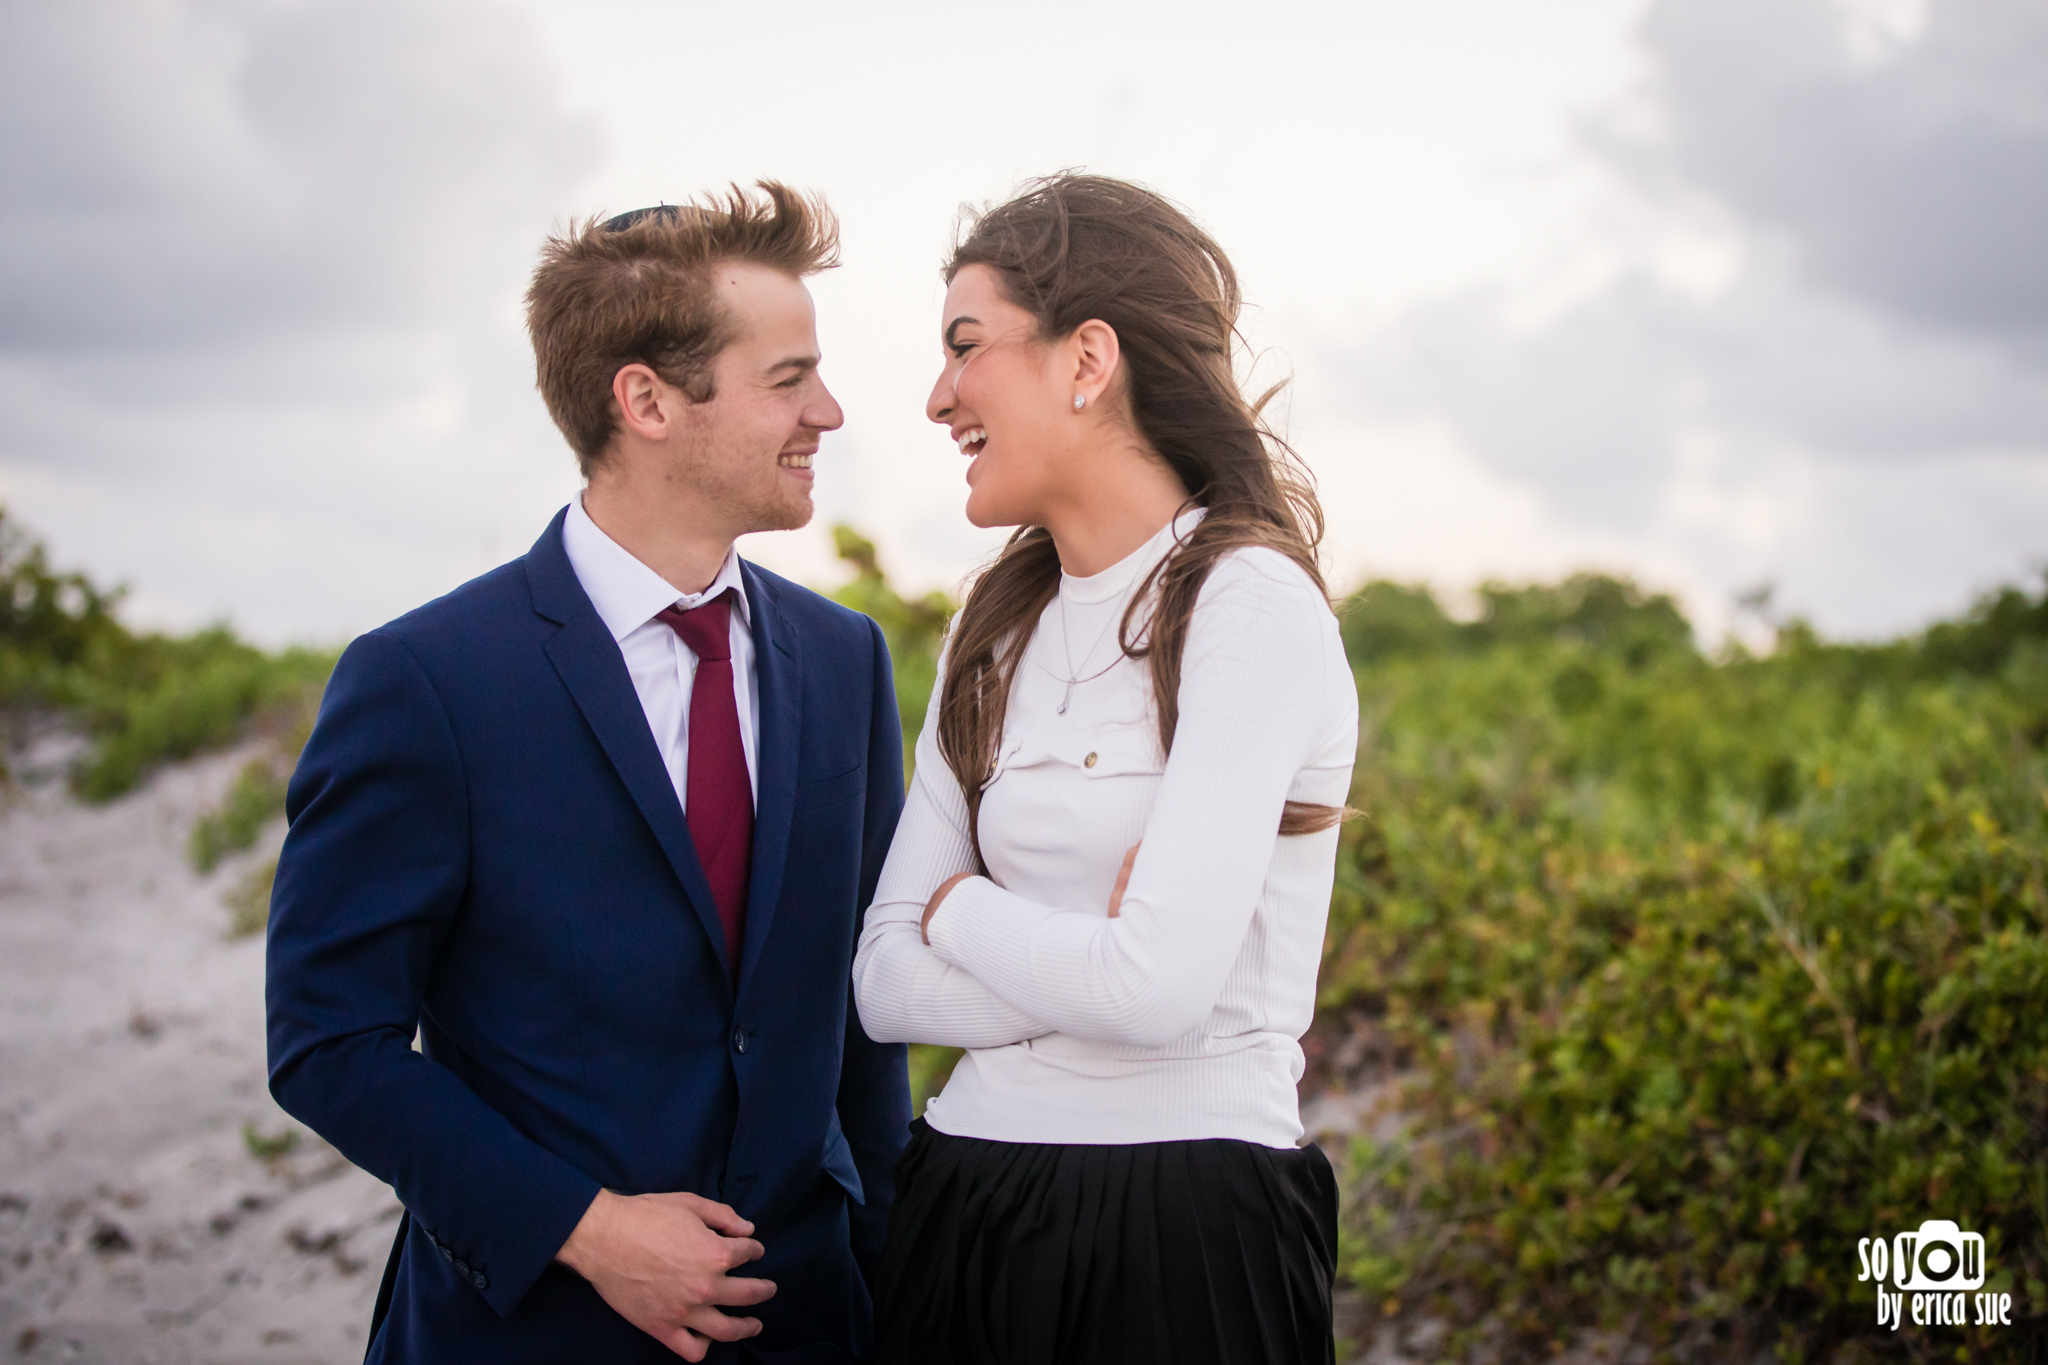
{"x": 587, "y": 660}
{"x": 778, "y": 672}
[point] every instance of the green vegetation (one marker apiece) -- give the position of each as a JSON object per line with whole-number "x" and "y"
{"x": 257, "y": 796}
{"x": 148, "y": 699}
{"x": 144, "y": 699}
{"x": 253, "y": 802}
{"x": 248, "y": 900}
{"x": 1695, "y": 972}
{"x": 1689, "y": 972}
{"x": 914, "y": 629}
{"x": 270, "y": 1146}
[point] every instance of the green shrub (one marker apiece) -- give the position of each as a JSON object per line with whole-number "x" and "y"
{"x": 145, "y": 699}
{"x": 270, "y": 1146}
{"x": 1698, "y": 970}
{"x": 1701, "y": 972}
{"x": 52, "y": 625}
{"x": 248, "y": 900}
{"x": 913, "y": 628}
{"x": 256, "y": 798}
{"x": 180, "y": 697}
{"x": 930, "y": 1068}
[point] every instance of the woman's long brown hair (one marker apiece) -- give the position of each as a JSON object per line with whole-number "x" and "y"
{"x": 1068, "y": 249}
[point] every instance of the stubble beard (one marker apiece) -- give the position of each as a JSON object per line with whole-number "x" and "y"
{"x": 755, "y": 500}
{"x": 790, "y": 509}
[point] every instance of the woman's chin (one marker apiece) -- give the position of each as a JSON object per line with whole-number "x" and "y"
{"x": 985, "y": 511}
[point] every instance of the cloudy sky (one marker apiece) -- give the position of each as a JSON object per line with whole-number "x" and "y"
{"x": 1714, "y": 292}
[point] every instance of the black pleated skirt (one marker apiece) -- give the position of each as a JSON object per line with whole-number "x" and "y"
{"x": 1215, "y": 1252}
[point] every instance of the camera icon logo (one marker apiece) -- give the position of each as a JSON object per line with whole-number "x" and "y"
{"x": 1940, "y": 1256}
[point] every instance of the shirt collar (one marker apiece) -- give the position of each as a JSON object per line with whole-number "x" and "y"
{"x": 628, "y": 594}
{"x": 1113, "y": 582}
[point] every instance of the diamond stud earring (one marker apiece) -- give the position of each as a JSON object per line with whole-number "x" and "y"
{"x": 1080, "y": 401}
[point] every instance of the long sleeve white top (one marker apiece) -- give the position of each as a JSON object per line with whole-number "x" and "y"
{"x": 1180, "y": 1018}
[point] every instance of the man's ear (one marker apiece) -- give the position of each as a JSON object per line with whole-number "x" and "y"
{"x": 1097, "y": 353}
{"x": 644, "y": 400}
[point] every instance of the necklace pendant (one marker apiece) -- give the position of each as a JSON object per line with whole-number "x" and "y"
{"x": 1065, "y": 697}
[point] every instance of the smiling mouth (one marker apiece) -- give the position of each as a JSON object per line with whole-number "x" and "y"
{"x": 972, "y": 440}
{"x": 792, "y": 461}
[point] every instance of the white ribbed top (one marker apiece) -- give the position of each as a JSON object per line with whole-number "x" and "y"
{"x": 1180, "y": 1018}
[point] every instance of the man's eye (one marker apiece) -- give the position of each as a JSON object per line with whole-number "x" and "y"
{"x": 791, "y": 382}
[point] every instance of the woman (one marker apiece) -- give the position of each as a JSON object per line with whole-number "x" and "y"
{"x": 1112, "y": 874}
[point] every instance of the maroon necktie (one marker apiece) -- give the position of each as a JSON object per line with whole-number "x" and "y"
{"x": 718, "y": 799}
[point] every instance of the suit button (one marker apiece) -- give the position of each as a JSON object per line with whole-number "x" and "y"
{"x": 480, "y": 1280}
{"x": 739, "y": 1039}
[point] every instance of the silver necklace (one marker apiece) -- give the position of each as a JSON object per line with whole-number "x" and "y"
{"x": 1072, "y": 678}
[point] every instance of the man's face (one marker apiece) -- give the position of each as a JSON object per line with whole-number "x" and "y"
{"x": 746, "y": 453}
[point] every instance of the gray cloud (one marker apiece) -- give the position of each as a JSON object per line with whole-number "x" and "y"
{"x": 259, "y": 263}
{"x": 1915, "y": 181}
{"x": 1862, "y": 411}
{"x": 184, "y": 174}
{"x": 1592, "y": 405}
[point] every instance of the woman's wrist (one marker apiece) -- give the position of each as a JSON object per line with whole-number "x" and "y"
{"x": 924, "y": 924}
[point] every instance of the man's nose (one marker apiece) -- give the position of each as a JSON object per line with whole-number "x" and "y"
{"x": 829, "y": 416}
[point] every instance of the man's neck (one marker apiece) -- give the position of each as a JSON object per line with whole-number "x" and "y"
{"x": 686, "y": 556}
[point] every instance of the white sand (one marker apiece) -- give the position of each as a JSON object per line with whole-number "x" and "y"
{"x": 135, "y": 1225}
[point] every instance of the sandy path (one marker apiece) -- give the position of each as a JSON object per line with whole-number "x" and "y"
{"x": 135, "y": 1224}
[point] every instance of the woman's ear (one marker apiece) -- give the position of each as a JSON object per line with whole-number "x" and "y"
{"x": 1097, "y": 354}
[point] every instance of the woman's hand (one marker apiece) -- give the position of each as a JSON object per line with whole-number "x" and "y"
{"x": 1123, "y": 880}
{"x": 1116, "y": 895}
{"x": 931, "y": 907}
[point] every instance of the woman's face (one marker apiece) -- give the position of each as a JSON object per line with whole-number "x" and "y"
{"x": 1005, "y": 399}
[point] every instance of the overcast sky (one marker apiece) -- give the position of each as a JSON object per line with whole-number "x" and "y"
{"x": 1714, "y": 292}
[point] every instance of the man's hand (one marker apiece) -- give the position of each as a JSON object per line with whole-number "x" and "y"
{"x": 662, "y": 1261}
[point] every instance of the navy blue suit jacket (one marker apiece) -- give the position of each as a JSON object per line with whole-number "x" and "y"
{"x": 486, "y": 848}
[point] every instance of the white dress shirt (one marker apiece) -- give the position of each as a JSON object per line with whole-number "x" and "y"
{"x": 628, "y": 595}
{"x": 1179, "y": 1019}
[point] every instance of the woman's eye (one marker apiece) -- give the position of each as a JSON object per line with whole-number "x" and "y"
{"x": 961, "y": 348}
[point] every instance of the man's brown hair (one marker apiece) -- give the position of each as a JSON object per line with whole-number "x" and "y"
{"x": 637, "y": 289}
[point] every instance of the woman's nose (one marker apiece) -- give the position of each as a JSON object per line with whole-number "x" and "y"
{"x": 939, "y": 407}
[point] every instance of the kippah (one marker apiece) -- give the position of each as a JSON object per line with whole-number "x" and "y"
{"x": 667, "y": 213}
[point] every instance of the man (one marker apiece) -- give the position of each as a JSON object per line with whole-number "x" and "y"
{"x": 600, "y": 827}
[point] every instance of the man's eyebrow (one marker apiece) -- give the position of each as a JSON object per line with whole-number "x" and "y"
{"x": 955, "y": 325}
{"x": 795, "y": 362}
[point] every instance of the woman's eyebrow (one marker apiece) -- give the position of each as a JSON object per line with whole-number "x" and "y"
{"x": 955, "y": 325}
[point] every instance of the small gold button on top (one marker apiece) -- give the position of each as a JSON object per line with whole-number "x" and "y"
{"x": 1088, "y": 762}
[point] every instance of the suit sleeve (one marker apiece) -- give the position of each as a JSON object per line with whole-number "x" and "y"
{"x": 372, "y": 875}
{"x": 874, "y": 1078}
